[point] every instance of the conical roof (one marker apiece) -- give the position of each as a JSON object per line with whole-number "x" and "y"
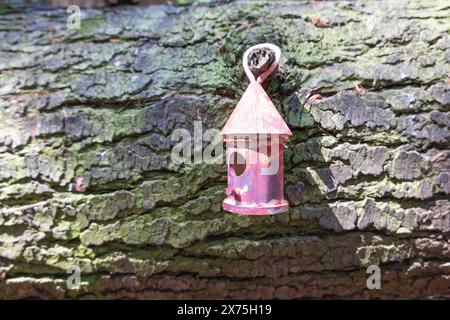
{"x": 254, "y": 114}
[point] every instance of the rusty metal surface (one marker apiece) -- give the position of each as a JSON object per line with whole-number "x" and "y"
{"x": 254, "y": 114}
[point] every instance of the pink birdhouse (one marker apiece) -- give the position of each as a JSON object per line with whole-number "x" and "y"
{"x": 254, "y": 136}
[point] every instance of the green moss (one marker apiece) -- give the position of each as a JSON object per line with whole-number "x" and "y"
{"x": 91, "y": 24}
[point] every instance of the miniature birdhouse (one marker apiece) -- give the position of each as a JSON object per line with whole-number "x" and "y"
{"x": 254, "y": 136}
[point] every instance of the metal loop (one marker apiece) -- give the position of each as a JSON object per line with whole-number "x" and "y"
{"x": 272, "y": 67}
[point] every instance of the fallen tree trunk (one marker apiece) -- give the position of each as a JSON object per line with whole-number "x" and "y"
{"x": 86, "y": 179}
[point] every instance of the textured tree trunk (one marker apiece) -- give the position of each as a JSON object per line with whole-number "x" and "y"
{"x": 86, "y": 179}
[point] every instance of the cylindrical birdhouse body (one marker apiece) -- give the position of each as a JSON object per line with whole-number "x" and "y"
{"x": 254, "y": 136}
{"x": 255, "y": 181}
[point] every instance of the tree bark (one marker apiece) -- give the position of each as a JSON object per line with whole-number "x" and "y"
{"x": 86, "y": 178}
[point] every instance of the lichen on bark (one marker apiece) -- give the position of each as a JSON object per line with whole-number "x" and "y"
{"x": 86, "y": 178}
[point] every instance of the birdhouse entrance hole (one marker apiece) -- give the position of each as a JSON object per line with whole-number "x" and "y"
{"x": 237, "y": 163}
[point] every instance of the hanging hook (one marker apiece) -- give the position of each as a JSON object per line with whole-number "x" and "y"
{"x": 272, "y": 67}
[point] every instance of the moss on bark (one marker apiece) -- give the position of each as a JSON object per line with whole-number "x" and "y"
{"x": 86, "y": 178}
